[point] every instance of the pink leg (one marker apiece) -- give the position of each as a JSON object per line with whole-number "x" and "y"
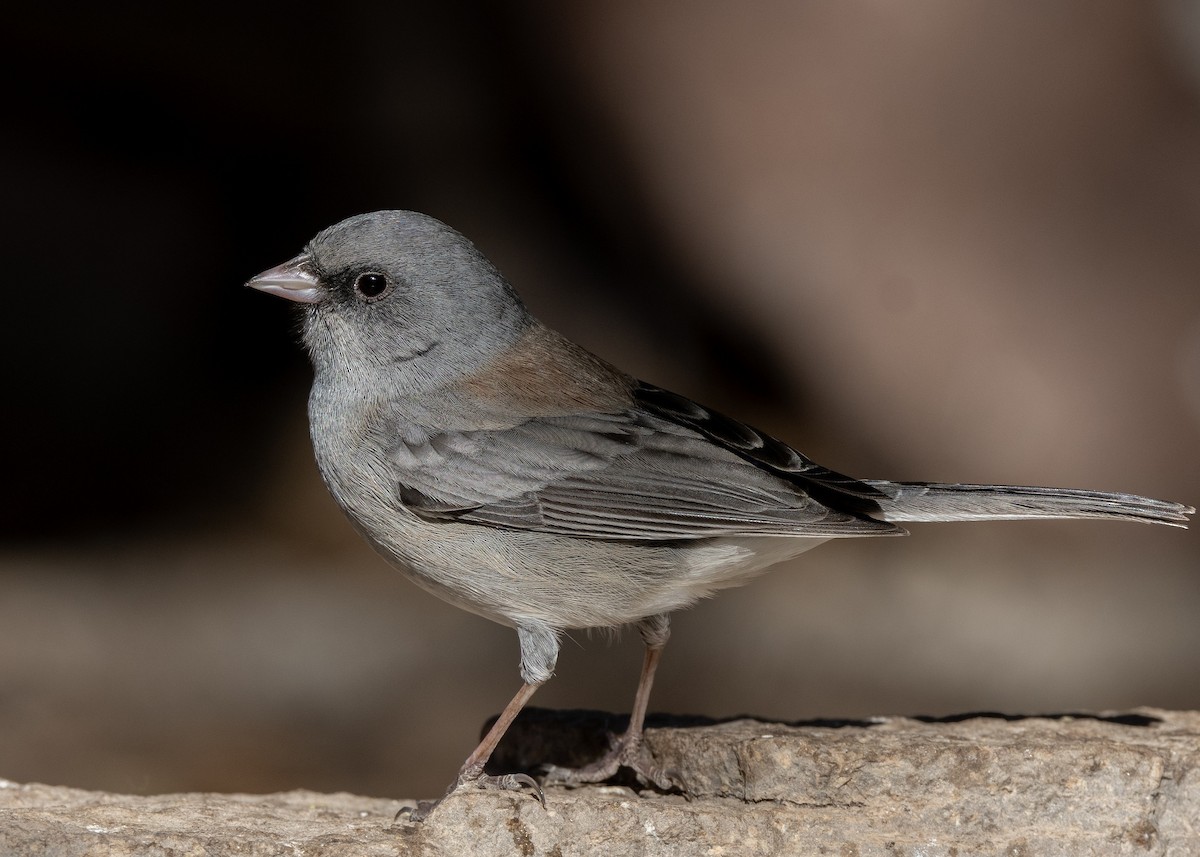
{"x": 471, "y": 775}
{"x": 627, "y": 750}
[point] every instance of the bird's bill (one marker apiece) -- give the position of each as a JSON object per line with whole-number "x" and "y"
{"x": 295, "y": 280}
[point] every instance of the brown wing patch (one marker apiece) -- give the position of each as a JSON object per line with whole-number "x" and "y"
{"x": 545, "y": 373}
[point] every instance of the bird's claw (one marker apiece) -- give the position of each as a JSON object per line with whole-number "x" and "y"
{"x": 502, "y": 782}
{"x": 625, "y": 752}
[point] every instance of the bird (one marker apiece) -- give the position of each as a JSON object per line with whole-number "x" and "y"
{"x": 511, "y": 472}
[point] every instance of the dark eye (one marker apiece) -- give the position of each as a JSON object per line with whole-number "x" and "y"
{"x": 371, "y": 285}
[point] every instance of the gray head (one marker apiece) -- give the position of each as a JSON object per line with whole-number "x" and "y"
{"x": 398, "y": 298}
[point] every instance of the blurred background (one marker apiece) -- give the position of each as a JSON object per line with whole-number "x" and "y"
{"x": 929, "y": 240}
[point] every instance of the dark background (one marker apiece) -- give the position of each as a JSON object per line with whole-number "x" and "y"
{"x": 938, "y": 241}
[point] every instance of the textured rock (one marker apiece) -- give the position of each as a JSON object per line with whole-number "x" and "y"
{"x": 1083, "y": 784}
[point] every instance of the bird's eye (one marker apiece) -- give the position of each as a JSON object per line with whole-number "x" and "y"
{"x": 371, "y": 285}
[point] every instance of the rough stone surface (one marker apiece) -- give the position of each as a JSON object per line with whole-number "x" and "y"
{"x": 987, "y": 784}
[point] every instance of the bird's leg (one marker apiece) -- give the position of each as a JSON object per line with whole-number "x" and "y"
{"x": 539, "y": 652}
{"x": 471, "y": 774}
{"x": 627, "y": 751}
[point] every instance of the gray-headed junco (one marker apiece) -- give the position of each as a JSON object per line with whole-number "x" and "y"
{"x": 511, "y": 472}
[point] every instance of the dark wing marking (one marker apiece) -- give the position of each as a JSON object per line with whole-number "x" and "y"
{"x": 835, "y": 489}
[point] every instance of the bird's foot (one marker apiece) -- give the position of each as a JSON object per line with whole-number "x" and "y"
{"x": 627, "y": 751}
{"x": 468, "y": 780}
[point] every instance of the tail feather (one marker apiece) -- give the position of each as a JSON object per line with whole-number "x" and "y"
{"x": 930, "y": 501}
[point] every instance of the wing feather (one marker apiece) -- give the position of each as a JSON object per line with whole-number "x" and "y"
{"x": 643, "y": 473}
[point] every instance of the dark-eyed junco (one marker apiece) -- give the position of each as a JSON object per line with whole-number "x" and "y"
{"x": 511, "y": 472}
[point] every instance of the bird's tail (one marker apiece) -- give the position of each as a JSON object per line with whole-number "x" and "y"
{"x": 930, "y": 501}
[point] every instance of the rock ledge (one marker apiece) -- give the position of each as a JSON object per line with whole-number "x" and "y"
{"x": 977, "y": 784}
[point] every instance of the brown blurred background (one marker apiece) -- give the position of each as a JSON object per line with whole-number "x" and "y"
{"x": 930, "y": 240}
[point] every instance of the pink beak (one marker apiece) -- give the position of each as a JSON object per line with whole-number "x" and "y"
{"x": 294, "y": 280}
